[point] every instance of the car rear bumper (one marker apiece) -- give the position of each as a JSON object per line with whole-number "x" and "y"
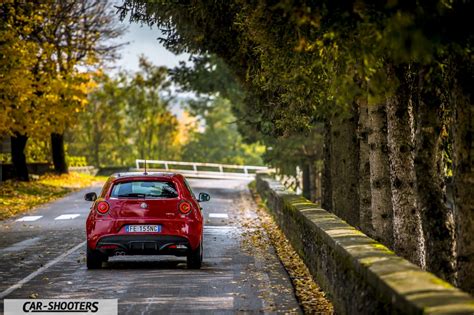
{"x": 98, "y": 230}
{"x": 144, "y": 245}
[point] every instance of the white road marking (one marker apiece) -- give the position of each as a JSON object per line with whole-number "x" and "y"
{"x": 219, "y": 215}
{"x": 67, "y": 216}
{"x": 29, "y": 218}
{"x": 32, "y": 275}
{"x": 218, "y": 227}
{"x": 20, "y": 245}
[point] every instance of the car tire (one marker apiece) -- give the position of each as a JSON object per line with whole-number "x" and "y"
{"x": 94, "y": 259}
{"x": 194, "y": 259}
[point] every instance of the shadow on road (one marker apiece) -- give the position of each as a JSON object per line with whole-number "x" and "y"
{"x": 144, "y": 262}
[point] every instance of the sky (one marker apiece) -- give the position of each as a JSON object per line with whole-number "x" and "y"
{"x": 143, "y": 40}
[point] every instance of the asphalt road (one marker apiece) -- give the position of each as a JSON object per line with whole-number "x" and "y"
{"x": 42, "y": 255}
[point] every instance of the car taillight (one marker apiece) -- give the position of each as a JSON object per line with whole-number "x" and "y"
{"x": 102, "y": 207}
{"x": 185, "y": 207}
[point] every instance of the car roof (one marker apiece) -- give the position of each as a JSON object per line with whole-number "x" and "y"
{"x": 142, "y": 175}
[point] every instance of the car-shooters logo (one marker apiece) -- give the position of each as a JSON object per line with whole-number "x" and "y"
{"x": 60, "y": 306}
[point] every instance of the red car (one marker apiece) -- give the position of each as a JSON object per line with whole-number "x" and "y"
{"x": 145, "y": 214}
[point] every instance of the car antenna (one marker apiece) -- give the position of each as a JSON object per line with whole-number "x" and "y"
{"x": 145, "y": 169}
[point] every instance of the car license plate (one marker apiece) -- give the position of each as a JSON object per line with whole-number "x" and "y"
{"x": 143, "y": 228}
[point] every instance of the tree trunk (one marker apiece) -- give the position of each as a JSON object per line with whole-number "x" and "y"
{"x": 18, "y": 143}
{"x": 345, "y": 167}
{"x": 436, "y": 218}
{"x": 326, "y": 186}
{"x": 381, "y": 201}
{"x": 57, "y": 149}
{"x": 365, "y": 212}
{"x": 406, "y": 218}
{"x": 463, "y": 162}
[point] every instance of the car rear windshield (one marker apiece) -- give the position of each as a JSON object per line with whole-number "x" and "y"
{"x": 144, "y": 189}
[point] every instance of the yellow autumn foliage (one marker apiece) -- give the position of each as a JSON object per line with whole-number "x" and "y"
{"x": 40, "y": 80}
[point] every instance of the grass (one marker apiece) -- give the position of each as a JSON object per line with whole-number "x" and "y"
{"x": 19, "y": 197}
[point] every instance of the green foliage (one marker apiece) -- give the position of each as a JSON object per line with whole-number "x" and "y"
{"x": 210, "y": 76}
{"x": 299, "y": 63}
{"x": 128, "y": 117}
{"x": 221, "y": 101}
{"x": 38, "y": 151}
{"x": 5, "y": 158}
{"x": 285, "y": 154}
{"x": 220, "y": 141}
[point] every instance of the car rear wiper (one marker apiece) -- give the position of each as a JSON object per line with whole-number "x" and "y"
{"x": 132, "y": 195}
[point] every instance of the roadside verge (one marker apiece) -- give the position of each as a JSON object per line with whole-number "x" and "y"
{"x": 19, "y": 197}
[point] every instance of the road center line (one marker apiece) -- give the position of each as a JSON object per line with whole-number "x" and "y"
{"x": 32, "y": 275}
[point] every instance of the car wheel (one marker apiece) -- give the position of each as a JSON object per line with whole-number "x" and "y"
{"x": 94, "y": 259}
{"x": 194, "y": 259}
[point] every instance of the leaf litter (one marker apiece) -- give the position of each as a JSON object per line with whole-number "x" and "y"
{"x": 261, "y": 231}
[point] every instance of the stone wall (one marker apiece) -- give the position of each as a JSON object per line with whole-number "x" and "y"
{"x": 360, "y": 275}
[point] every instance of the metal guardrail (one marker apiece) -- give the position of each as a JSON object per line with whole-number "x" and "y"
{"x": 202, "y": 170}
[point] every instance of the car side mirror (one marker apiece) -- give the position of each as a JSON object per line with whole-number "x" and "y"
{"x": 204, "y": 197}
{"x": 92, "y": 196}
